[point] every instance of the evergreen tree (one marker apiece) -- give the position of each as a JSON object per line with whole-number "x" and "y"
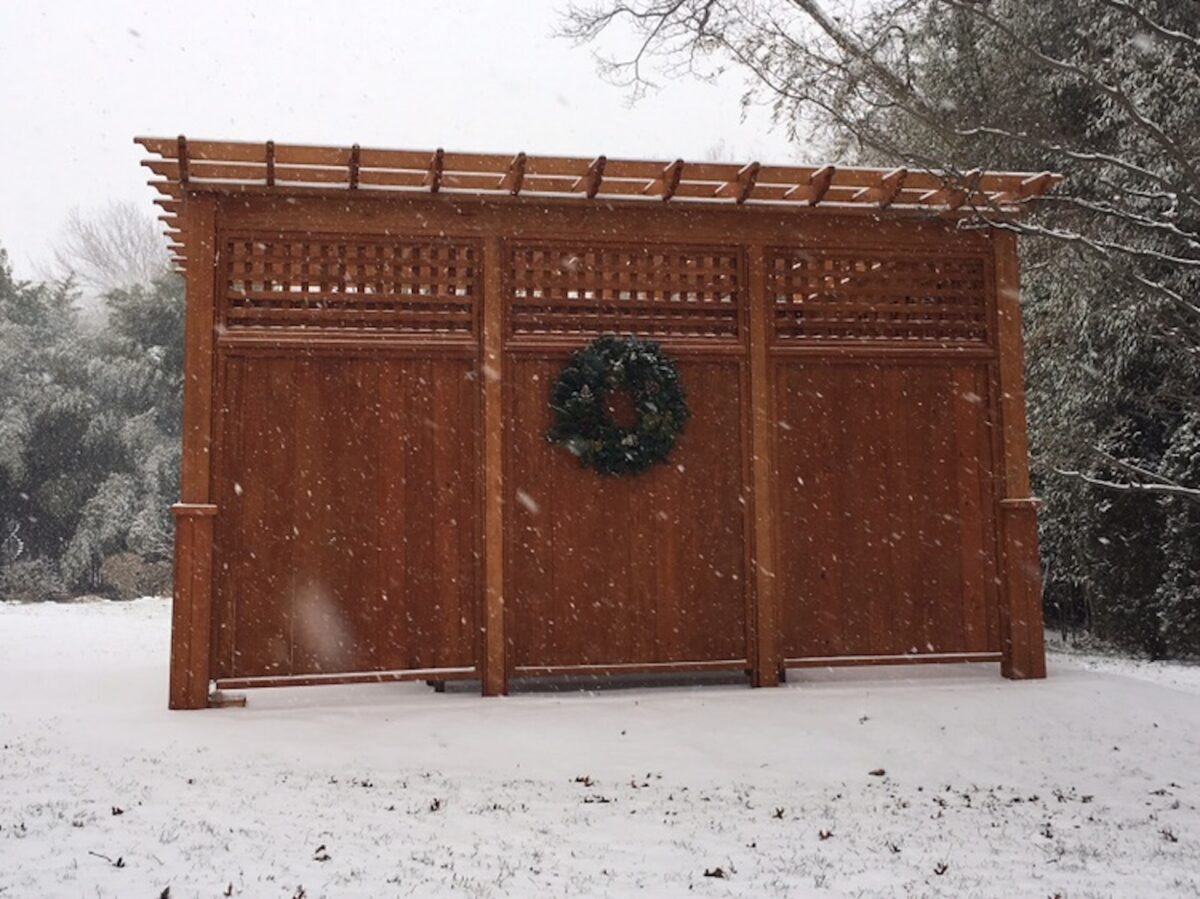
{"x": 1106, "y": 92}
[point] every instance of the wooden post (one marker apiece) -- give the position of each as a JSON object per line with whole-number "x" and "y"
{"x": 766, "y": 617}
{"x": 1021, "y": 630}
{"x": 495, "y": 665}
{"x": 191, "y": 618}
{"x": 191, "y": 609}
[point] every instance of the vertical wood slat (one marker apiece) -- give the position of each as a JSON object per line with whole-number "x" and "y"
{"x": 766, "y": 652}
{"x": 495, "y": 669}
{"x": 192, "y": 600}
{"x": 1021, "y": 629}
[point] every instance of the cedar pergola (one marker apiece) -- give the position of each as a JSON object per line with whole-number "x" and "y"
{"x": 231, "y": 166}
{"x": 371, "y": 337}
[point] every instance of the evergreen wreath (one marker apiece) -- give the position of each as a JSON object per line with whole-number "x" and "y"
{"x": 582, "y": 423}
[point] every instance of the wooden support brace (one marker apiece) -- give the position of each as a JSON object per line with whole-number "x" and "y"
{"x": 270, "y": 163}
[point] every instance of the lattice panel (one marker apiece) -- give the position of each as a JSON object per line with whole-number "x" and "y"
{"x": 826, "y": 295}
{"x": 567, "y": 289}
{"x": 368, "y": 284}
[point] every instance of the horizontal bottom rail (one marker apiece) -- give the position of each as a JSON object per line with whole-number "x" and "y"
{"x": 355, "y": 677}
{"x": 924, "y": 658}
{"x": 629, "y": 668}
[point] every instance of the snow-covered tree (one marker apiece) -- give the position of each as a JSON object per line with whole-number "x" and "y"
{"x": 1106, "y": 92}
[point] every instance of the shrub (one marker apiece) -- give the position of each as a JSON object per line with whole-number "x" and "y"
{"x": 32, "y": 580}
{"x": 128, "y": 576}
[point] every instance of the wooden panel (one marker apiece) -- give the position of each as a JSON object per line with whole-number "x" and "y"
{"x": 605, "y": 571}
{"x": 289, "y": 280}
{"x": 885, "y": 492}
{"x": 838, "y": 294}
{"x": 593, "y": 288}
{"x": 348, "y": 532}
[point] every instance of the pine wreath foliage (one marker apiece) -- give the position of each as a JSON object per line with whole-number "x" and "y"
{"x": 582, "y": 423}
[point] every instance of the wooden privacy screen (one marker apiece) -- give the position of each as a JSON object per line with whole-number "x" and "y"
{"x": 368, "y": 493}
{"x": 611, "y": 573}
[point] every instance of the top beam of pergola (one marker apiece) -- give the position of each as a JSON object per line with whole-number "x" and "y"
{"x": 180, "y": 164}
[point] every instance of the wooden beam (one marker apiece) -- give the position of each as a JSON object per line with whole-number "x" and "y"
{"x": 437, "y": 165}
{"x": 672, "y": 175}
{"x": 590, "y": 180}
{"x": 495, "y": 657}
{"x": 1022, "y": 637}
{"x": 815, "y": 188}
{"x": 969, "y": 186}
{"x": 747, "y": 176}
{"x": 890, "y": 186}
{"x": 766, "y": 616}
{"x": 515, "y": 176}
{"x": 742, "y": 185}
{"x": 270, "y": 163}
{"x": 355, "y": 160}
{"x": 954, "y": 196}
{"x": 181, "y": 150}
{"x": 667, "y": 181}
{"x": 191, "y": 626}
{"x": 1036, "y": 185}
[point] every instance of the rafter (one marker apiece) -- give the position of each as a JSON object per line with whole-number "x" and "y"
{"x": 181, "y": 165}
{"x": 437, "y": 165}
{"x": 515, "y": 176}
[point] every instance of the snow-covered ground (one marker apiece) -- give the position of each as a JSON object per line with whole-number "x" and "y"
{"x": 872, "y": 782}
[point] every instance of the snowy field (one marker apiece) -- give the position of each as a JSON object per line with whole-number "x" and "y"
{"x": 876, "y": 782}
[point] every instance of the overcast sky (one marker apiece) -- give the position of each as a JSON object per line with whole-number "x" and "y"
{"x": 79, "y": 79}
